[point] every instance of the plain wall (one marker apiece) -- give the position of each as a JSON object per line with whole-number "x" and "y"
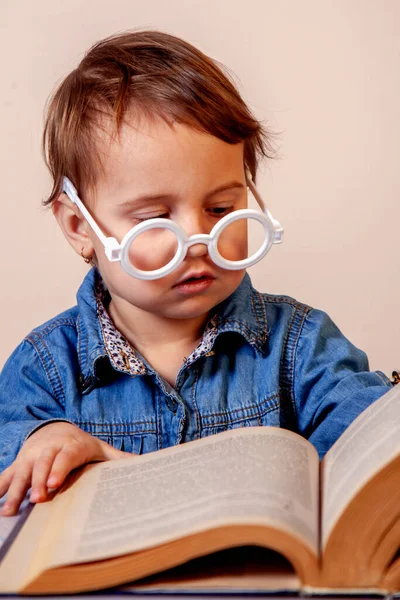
{"x": 323, "y": 73}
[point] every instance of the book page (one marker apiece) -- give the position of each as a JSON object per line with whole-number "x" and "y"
{"x": 245, "y": 569}
{"x": 257, "y": 475}
{"x": 369, "y": 443}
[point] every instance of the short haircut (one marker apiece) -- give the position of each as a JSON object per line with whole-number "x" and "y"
{"x": 155, "y": 74}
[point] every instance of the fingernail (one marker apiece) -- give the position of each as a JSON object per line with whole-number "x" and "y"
{"x": 52, "y": 481}
{"x": 7, "y": 508}
{"x": 35, "y": 496}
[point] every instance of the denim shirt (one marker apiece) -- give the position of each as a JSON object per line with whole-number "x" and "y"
{"x": 263, "y": 360}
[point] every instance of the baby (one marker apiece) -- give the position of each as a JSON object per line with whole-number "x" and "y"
{"x": 152, "y": 153}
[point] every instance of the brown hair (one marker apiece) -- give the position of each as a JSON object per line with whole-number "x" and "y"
{"x": 156, "y": 74}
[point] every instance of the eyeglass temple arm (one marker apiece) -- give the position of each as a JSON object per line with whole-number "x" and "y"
{"x": 278, "y": 229}
{"x": 111, "y": 245}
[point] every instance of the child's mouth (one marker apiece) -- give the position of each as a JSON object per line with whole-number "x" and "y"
{"x": 194, "y": 284}
{"x": 194, "y": 279}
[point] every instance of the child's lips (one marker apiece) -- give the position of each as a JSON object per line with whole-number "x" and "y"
{"x": 189, "y": 277}
{"x": 194, "y": 284}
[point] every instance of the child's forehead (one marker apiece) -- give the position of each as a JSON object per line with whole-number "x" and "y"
{"x": 169, "y": 154}
{"x": 138, "y": 134}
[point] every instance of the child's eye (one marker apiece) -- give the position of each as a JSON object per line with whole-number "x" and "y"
{"x": 220, "y": 211}
{"x": 141, "y": 219}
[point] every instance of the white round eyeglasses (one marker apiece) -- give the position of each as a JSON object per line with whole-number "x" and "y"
{"x": 156, "y": 247}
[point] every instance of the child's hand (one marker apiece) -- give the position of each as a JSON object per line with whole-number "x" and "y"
{"x": 45, "y": 460}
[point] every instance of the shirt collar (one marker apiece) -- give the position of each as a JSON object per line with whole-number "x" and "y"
{"x": 243, "y": 312}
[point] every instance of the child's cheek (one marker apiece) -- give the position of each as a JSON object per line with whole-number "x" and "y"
{"x": 153, "y": 249}
{"x": 232, "y": 243}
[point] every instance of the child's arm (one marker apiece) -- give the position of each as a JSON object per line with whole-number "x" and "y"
{"x": 45, "y": 460}
{"x": 36, "y": 439}
{"x": 332, "y": 383}
{"x": 32, "y": 394}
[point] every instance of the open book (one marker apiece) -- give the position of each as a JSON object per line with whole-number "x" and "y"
{"x": 336, "y": 523}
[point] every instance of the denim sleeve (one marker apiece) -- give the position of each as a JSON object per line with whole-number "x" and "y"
{"x": 332, "y": 382}
{"x": 28, "y": 401}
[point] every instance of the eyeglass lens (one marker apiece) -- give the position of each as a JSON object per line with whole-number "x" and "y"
{"x": 155, "y": 248}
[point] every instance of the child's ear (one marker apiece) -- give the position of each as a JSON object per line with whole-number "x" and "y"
{"x": 73, "y": 225}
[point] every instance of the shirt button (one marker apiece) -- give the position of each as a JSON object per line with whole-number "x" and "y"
{"x": 83, "y": 383}
{"x": 172, "y": 405}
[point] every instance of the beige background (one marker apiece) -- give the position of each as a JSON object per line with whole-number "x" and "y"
{"x": 325, "y": 73}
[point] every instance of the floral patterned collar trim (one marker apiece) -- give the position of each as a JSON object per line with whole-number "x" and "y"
{"x": 207, "y": 342}
{"x": 121, "y": 354}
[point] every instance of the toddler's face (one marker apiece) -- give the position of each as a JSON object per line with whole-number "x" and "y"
{"x": 155, "y": 170}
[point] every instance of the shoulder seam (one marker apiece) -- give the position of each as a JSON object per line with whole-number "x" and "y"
{"x": 284, "y": 300}
{"x": 45, "y": 330}
{"x": 290, "y": 347}
{"x": 262, "y": 326}
{"x": 294, "y": 351}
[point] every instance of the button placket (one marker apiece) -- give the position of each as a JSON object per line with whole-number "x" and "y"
{"x": 172, "y": 404}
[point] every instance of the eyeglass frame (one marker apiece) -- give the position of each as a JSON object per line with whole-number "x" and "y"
{"x": 118, "y": 252}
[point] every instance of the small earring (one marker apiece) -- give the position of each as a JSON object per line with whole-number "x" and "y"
{"x": 87, "y": 259}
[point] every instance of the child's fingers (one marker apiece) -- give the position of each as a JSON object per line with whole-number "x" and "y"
{"x": 6, "y": 478}
{"x": 72, "y": 456}
{"x": 40, "y": 474}
{"x": 111, "y": 453}
{"x": 19, "y": 485}
{"x": 68, "y": 458}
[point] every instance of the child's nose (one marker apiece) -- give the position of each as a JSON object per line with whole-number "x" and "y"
{"x": 197, "y": 250}
{"x": 195, "y": 225}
